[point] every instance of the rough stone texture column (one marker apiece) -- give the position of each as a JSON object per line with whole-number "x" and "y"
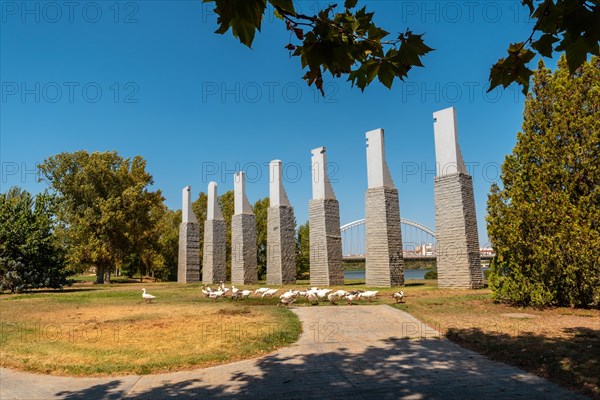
{"x": 214, "y": 265}
{"x": 281, "y": 231}
{"x": 383, "y": 235}
{"x": 188, "y": 263}
{"x": 281, "y": 246}
{"x": 188, "y": 269}
{"x": 458, "y": 257}
{"x": 326, "y": 267}
{"x": 243, "y": 247}
{"x": 244, "y": 267}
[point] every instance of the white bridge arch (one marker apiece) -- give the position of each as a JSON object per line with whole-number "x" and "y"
{"x": 418, "y": 240}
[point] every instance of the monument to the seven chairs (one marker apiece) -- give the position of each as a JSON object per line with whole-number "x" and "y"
{"x": 458, "y": 257}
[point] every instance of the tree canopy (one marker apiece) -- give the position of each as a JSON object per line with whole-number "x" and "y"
{"x": 30, "y": 254}
{"x": 351, "y": 43}
{"x": 106, "y": 212}
{"x": 544, "y": 223}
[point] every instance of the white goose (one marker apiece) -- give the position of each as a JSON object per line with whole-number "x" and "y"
{"x": 270, "y": 293}
{"x": 369, "y": 295}
{"x": 332, "y": 297}
{"x": 206, "y": 291}
{"x": 216, "y": 294}
{"x": 322, "y": 294}
{"x": 147, "y": 297}
{"x": 287, "y": 300}
{"x": 244, "y": 294}
{"x": 399, "y": 296}
{"x": 261, "y": 290}
{"x": 312, "y": 298}
{"x": 350, "y": 298}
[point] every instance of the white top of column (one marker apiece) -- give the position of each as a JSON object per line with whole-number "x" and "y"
{"x": 277, "y": 194}
{"x": 377, "y": 169}
{"x": 187, "y": 213}
{"x": 448, "y": 157}
{"x": 242, "y": 205}
{"x": 214, "y": 211}
{"x": 321, "y": 187}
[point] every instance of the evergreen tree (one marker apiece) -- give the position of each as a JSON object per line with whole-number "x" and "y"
{"x": 30, "y": 254}
{"x": 544, "y": 223}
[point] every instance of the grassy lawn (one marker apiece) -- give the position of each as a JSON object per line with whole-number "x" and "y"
{"x": 107, "y": 329}
{"x": 104, "y": 330}
{"x": 560, "y": 344}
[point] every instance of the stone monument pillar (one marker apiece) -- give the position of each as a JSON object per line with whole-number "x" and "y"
{"x": 214, "y": 267}
{"x": 188, "y": 265}
{"x": 326, "y": 268}
{"x": 281, "y": 233}
{"x": 243, "y": 236}
{"x": 458, "y": 258}
{"x": 385, "y": 262}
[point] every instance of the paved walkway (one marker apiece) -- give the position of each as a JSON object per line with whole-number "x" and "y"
{"x": 374, "y": 352}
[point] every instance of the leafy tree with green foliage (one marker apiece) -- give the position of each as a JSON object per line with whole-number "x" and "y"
{"x": 544, "y": 223}
{"x": 348, "y": 42}
{"x": 168, "y": 245}
{"x": 200, "y": 208}
{"x": 227, "y": 204}
{"x": 30, "y": 254}
{"x": 303, "y": 252}
{"x": 106, "y": 211}
{"x": 260, "y": 211}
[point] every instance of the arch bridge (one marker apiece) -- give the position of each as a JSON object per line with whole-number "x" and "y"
{"x": 418, "y": 241}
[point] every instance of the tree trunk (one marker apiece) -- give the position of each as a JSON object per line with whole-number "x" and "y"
{"x": 99, "y": 274}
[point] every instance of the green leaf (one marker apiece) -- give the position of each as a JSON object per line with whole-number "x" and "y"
{"x": 386, "y": 74}
{"x": 350, "y": 3}
{"x": 544, "y": 45}
{"x": 286, "y": 5}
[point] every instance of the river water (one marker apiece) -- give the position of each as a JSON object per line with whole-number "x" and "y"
{"x": 408, "y": 274}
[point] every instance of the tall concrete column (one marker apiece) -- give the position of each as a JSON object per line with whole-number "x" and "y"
{"x": 243, "y": 236}
{"x": 458, "y": 257}
{"x": 384, "y": 258}
{"x": 326, "y": 268}
{"x": 281, "y": 233}
{"x": 214, "y": 267}
{"x": 188, "y": 264}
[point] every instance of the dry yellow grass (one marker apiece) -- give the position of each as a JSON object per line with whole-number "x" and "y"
{"x": 109, "y": 330}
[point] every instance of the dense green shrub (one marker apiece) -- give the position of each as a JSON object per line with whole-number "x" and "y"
{"x": 431, "y": 274}
{"x": 544, "y": 223}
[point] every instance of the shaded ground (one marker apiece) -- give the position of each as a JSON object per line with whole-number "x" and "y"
{"x": 344, "y": 352}
{"x": 561, "y": 344}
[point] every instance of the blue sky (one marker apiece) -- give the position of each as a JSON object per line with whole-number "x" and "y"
{"x": 151, "y": 78}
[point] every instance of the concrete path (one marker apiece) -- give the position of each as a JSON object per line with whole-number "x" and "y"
{"x": 374, "y": 352}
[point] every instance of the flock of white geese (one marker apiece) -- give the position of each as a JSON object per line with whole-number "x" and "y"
{"x": 313, "y": 295}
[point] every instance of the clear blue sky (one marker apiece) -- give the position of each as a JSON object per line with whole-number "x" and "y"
{"x": 151, "y": 78}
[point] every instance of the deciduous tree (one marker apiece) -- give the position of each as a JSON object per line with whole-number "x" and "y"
{"x": 106, "y": 209}
{"x": 346, "y": 41}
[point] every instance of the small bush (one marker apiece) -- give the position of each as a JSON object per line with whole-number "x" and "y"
{"x": 431, "y": 274}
